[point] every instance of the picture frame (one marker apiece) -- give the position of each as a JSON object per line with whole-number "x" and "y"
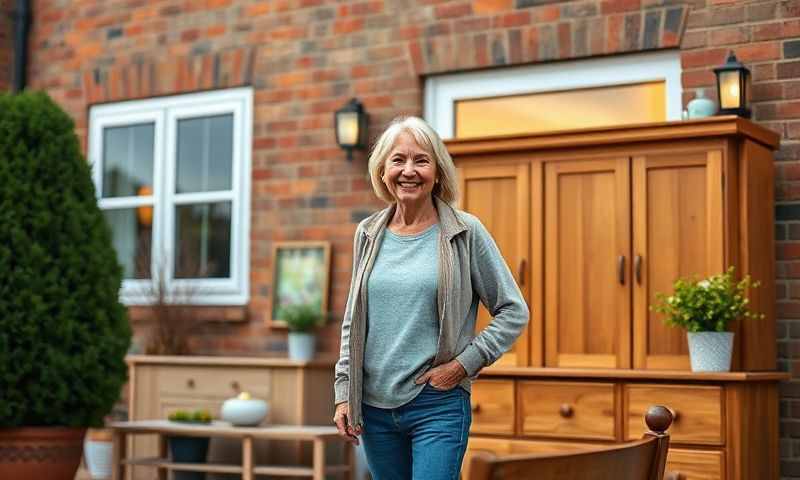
{"x": 300, "y": 274}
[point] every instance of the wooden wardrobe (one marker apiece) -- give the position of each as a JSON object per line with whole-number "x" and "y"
{"x": 593, "y": 223}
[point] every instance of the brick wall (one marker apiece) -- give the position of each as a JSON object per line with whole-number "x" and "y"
{"x": 6, "y": 43}
{"x": 306, "y": 58}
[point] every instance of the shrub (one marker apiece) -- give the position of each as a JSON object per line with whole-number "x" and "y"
{"x": 301, "y": 317}
{"x": 193, "y": 416}
{"x": 708, "y": 305}
{"x": 63, "y": 332}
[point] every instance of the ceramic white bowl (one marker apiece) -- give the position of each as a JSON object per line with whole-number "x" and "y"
{"x": 244, "y": 413}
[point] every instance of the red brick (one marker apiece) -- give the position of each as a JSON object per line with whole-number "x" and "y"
{"x": 453, "y": 10}
{"x": 511, "y": 20}
{"x": 729, "y": 36}
{"x": 492, "y": 6}
{"x": 703, "y": 58}
{"x": 788, "y": 110}
{"x": 545, "y": 13}
{"x": 759, "y": 52}
{"x": 698, "y": 78}
{"x": 619, "y": 6}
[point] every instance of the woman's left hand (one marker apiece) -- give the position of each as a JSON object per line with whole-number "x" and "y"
{"x": 445, "y": 376}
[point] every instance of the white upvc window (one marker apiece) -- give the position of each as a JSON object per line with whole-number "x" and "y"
{"x": 443, "y": 92}
{"x": 172, "y": 176}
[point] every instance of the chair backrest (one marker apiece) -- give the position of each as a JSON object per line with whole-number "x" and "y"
{"x": 639, "y": 460}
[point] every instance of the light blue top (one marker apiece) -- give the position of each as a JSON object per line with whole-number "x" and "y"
{"x": 402, "y": 317}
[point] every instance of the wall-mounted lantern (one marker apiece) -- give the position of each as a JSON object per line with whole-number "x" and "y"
{"x": 351, "y": 127}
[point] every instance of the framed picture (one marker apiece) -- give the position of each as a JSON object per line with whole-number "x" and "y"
{"x": 300, "y": 274}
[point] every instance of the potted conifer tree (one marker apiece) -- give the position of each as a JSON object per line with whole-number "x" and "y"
{"x": 63, "y": 332}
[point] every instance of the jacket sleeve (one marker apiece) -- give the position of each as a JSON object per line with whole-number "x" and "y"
{"x": 494, "y": 284}
{"x": 341, "y": 381}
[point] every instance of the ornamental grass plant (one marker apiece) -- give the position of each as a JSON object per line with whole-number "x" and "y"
{"x": 707, "y": 305}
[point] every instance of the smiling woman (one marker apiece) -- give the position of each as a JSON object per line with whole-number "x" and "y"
{"x": 420, "y": 268}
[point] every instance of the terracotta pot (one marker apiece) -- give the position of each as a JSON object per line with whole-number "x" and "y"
{"x": 35, "y": 453}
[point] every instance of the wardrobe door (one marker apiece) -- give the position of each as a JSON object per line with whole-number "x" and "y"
{"x": 587, "y": 263}
{"x": 499, "y": 196}
{"x": 677, "y": 232}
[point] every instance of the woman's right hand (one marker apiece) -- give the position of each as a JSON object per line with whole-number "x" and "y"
{"x": 340, "y": 418}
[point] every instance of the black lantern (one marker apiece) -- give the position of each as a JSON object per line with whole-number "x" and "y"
{"x": 733, "y": 88}
{"x": 351, "y": 127}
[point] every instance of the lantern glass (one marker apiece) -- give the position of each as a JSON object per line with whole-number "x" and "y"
{"x": 730, "y": 85}
{"x": 347, "y": 129}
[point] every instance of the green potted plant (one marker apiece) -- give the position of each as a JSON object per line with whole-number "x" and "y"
{"x": 706, "y": 308}
{"x": 63, "y": 332}
{"x": 302, "y": 319}
{"x": 185, "y": 449}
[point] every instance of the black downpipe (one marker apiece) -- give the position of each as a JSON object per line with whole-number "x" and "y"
{"x": 22, "y": 22}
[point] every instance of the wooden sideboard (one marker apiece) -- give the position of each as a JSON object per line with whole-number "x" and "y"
{"x": 593, "y": 223}
{"x": 298, "y": 393}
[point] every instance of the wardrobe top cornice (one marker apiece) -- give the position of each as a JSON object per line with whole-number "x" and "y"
{"x": 717, "y": 126}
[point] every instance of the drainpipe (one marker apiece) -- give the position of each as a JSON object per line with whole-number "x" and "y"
{"x": 22, "y": 22}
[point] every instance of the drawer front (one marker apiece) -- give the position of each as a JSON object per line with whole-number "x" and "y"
{"x": 566, "y": 409}
{"x": 509, "y": 447}
{"x": 698, "y": 411}
{"x": 686, "y": 464}
{"x": 211, "y": 382}
{"x": 493, "y": 407}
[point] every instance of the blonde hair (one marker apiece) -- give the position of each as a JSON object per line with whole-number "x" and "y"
{"x": 427, "y": 138}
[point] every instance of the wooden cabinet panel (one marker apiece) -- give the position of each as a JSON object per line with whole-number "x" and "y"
{"x": 180, "y": 381}
{"x": 695, "y": 464}
{"x": 499, "y": 196}
{"x": 587, "y": 264}
{"x": 493, "y": 407}
{"x": 569, "y": 410}
{"x": 697, "y": 409}
{"x": 677, "y": 232}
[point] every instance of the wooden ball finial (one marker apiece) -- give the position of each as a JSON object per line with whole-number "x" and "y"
{"x": 658, "y": 418}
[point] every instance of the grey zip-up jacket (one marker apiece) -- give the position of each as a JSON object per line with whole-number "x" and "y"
{"x": 471, "y": 268}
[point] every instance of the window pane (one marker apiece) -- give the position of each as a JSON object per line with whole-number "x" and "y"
{"x": 205, "y": 154}
{"x": 128, "y": 160}
{"x": 131, "y": 229}
{"x": 203, "y": 240}
{"x": 562, "y": 110}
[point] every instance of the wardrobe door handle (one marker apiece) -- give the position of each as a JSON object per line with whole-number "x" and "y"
{"x": 637, "y": 267}
{"x": 621, "y": 269}
{"x": 522, "y": 265}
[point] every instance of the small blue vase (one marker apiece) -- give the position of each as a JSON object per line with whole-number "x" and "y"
{"x": 701, "y": 106}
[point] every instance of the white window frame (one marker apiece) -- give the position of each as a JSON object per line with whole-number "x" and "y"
{"x": 164, "y": 113}
{"x": 443, "y": 91}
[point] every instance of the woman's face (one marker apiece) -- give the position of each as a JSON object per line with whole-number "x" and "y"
{"x": 410, "y": 172}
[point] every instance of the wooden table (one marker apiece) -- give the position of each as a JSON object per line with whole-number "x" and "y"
{"x": 316, "y": 434}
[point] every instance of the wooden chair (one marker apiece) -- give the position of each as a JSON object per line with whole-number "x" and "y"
{"x": 639, "y": 460}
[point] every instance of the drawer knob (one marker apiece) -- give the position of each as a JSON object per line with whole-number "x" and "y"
{"x": 190, "y": 383}
{"x": 566, "y": 410}
{"x": 235, "y": 385}
{"x": 674, "y": 476}
{"x": 476, "y": 407}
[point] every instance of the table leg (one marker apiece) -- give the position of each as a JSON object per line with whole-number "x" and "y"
{"x": 162, "y": 453}
{"x": 118, "y": 442}
{"x": 319, "y": 459}
{"x": 350, "y": 459}
{"x": 247, "y": 458}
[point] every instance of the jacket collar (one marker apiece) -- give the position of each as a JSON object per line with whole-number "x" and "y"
{"x": 449, "y": 222}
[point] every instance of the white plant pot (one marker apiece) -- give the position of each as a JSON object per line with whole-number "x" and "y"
{"x": 710, "y": 351}
{"x": 97, "y": 455}
{"x": 301, "y": 346}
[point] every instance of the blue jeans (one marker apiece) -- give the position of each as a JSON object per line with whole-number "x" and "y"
{"x": 424, "y": 439}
